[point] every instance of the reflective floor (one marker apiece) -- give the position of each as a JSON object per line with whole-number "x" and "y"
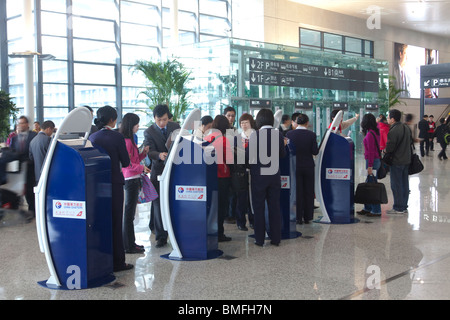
{"x": 386, "y": 258}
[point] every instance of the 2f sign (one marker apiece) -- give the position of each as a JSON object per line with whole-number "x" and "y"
{"x": 374, "y": 20}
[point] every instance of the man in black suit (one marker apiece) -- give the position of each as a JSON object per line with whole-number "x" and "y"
{"x": 21, "y": 145}
{"x": 266, "y": 146}
{"x": 423, "y": 135}
{"x": 156, "y": 137}
{"x": 303, "y": 144}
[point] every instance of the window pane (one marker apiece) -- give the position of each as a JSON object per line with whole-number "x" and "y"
{"x": 56, "y": 115}
{"x": 55, "y": 46}
{"x": 187, "y": 21}
{"x": 188, "y": 5}
{"x": 368, "y": 47}
{"x": 186, "y": 37}
{"x": 94, "y": 51}
{"x": 95, "y": 96}
{"x": 14, "y": 28}
{"x": 91, "y": 73}
{"x": 139, "y": 13}
{"x": 332, "y": 41}
{"x": 54, "y": 71}
{"x": 310, "y": 37}
{"x": 54, "y": 23}
{"x": 133, "y": 78}
{"x": 93, "y": 29}
{"x": 214, "y": 7}
{"x": 139, "y": 34}
{"x": 16, "y": 72}
{"x": 213, "y": 25}
{"x": 132, "y": 53}
{"x": 353, "y": 44}
{"x": 105, "y": 9}
{"x": 54, "y": 5}
{"x": 55, "y": 95}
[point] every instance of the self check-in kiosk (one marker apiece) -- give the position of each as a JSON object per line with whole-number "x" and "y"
{"x": 334, "y": 176}
{"x": 73, "y": 209}
{"x": 189, "y": 196}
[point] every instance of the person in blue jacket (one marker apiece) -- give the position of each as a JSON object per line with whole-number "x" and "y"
{"x": 303, "y": 144}
{"x": 113, "y": 143}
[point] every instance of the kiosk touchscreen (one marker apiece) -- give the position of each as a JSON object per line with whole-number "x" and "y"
{"x": 73, "y": 208}
{"x": 189, "y": 196}
{"x": 334, "y": 176}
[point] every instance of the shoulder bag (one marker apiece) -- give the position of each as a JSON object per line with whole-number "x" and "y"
{"x": 381, "y": 172}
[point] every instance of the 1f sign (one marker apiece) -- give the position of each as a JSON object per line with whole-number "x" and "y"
{"x": 374, "y": 20}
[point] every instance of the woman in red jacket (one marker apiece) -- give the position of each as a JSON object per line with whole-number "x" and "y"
{"x": 383, "y": 127}
{"x": 224, "y": 155}
{"x": 132, "y": 175}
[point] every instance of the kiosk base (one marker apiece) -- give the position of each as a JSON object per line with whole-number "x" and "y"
{"x": 92, "y": 284}
{"x": 351, "y": 220}
{"x": 213, "y": 254}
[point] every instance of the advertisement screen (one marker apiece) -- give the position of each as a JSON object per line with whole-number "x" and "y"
{"x": 406, "y": 69}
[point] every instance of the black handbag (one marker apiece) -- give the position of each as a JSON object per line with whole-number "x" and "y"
{"x": 416, "y": 165}
{"x": 381, "y": 172}
{"x": 371, "y": 193}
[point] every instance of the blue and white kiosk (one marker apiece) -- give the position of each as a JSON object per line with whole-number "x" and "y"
{"x": 73, "y": 208}
{"x": 189, "y": 196}
{"x": 334, "y": 176}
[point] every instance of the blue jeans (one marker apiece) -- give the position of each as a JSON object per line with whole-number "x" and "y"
{"x": 373, "y": 208}
{"x": 400, "y": 186}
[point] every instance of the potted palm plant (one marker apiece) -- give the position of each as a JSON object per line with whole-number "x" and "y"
{"x": 8, "y": 112}
{"x": 167, "y": 85}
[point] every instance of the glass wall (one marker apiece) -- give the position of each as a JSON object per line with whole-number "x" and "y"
{"x": 96, "y": 43}
{"x": 252, "y": 75}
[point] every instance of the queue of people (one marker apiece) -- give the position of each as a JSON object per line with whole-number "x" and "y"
{"x": 244, "y": 188}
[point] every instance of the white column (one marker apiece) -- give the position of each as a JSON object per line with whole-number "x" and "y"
{"x": 174, "y": 14}
{"x": 28, "y": 45}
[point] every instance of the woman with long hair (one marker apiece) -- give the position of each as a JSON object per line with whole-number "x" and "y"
{"x": 132, "y": 175}
{"x": 113, "y": 143}
{"x": 371, "y": 154}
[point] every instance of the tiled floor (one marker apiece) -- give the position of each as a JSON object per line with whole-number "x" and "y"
{"x": 392, "y": 257}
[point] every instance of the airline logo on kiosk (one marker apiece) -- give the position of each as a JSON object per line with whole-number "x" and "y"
{"x": 285, "y": 182}
{"x": 192, "y": 193}
{"x": 338, "y": 174}
{"x": 69, "y": 209}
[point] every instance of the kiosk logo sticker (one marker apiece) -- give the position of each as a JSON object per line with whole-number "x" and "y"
{"x": 69, "y": 209}
{"x": 285, "y": 182}
{"x": 191, "y": 193}
{"x": 338, "y": 174}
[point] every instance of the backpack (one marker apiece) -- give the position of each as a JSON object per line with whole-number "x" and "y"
{"x": 447, "y": 138}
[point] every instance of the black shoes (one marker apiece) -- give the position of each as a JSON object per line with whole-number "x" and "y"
{"x": 136, "y": 249}
{"x": 363, "y": 212}
{"x": 223, "y": 238}
{"x": 161, "y": 243}
{"x": 125, "y": 266}
{"x": 244, "y": 228}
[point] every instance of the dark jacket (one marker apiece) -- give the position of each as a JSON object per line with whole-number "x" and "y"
{"x": 113, "y": 143}
{"x": 156, "y": 141}
{"x": 423, "y": 129}
{"x": 259, "y": 155}
{"x": 303, "y": 144}
{"x": 440, "y": 132}
{"x": 399, "y": 142}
